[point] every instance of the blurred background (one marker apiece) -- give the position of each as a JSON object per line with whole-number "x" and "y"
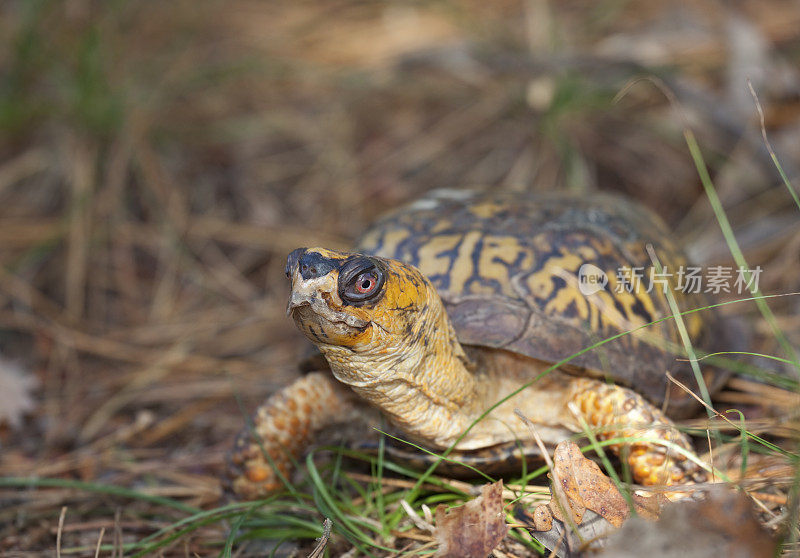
{"x": 158, "y": 160}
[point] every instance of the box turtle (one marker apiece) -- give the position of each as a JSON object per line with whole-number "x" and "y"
{"x": 454, "y": 302}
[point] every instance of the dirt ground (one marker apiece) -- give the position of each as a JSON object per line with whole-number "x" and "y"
{"x": 159, "y": 160}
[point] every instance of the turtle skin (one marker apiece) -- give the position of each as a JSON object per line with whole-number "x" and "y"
{"x": 469, "y": 296}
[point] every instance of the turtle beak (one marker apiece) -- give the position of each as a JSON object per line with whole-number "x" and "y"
{"x": 296, "y": 299}
{"x": 305, "y": 292}
{"x": 308, "y": 271}
{"x": 297, "y": 296}
{"x": 302, "y": 293}
{"x": 314, "y": 296}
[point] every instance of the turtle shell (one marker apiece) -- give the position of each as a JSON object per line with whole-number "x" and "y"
{"x": 548, "y": 276}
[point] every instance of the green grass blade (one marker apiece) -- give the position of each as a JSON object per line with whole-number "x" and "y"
{"x": 733, "y": 245}
{"x": 771, "y": 151}
{"x": 111, "y": 490}
{"x": 684, "y": 334}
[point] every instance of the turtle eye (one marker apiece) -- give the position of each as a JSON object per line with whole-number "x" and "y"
{"x": 360, "y": 280}
{"x": 365, "y": 283}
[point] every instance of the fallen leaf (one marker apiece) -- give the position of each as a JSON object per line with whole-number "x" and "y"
{"x": 723, "y": 524}
{"x": 474, "y": 529}
{"x": 562, "y": 541}
{"x": 594, "y": 504}
{"x": 16, "y": 386}
{"x": 587, "y": 487}
{"x": 542, "y": 518}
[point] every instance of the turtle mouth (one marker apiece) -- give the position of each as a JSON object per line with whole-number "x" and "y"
{"x": 322, "y": 324}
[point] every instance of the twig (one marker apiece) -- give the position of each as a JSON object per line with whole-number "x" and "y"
{"x": 99, "y": 542}
{"x": 711, "y": 455}
{"x": 323, "y": 540}
{"x": 60, "y": 529}
{"x": 420, "y": 523}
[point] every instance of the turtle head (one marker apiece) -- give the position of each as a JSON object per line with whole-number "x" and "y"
{"x": 384, "y": 331}
{"x": 360, "y": 302}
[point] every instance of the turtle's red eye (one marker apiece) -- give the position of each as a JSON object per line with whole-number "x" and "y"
{"x": 360, "y": 280}
{"x": 366, "y": 282}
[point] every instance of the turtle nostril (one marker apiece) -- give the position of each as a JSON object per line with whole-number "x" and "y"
{"x": 313, "y": 270}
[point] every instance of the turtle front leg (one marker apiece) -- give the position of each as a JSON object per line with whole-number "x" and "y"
{"x": 621, "y": 413}
{"x": 283, "y": 426}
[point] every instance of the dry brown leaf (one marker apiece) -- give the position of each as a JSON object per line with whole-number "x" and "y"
{"x": 16, "y": 386}
{"x": 721, "y": 525}
{"x": 542, "y": 518}
{"x": 594, "y": 503}
{"x": 474, "y": 529}
{"x": 587, "y": 487}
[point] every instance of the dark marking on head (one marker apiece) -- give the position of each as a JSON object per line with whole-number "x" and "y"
{"x": 291, "y": 261}
{"x": 313, "y": 265}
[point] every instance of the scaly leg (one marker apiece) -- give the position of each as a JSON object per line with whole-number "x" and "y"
{"x": 622, "y": 413}
{"x": 283, "y": 427}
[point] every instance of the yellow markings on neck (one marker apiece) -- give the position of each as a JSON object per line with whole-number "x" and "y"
{"x": 406, "y": 289}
